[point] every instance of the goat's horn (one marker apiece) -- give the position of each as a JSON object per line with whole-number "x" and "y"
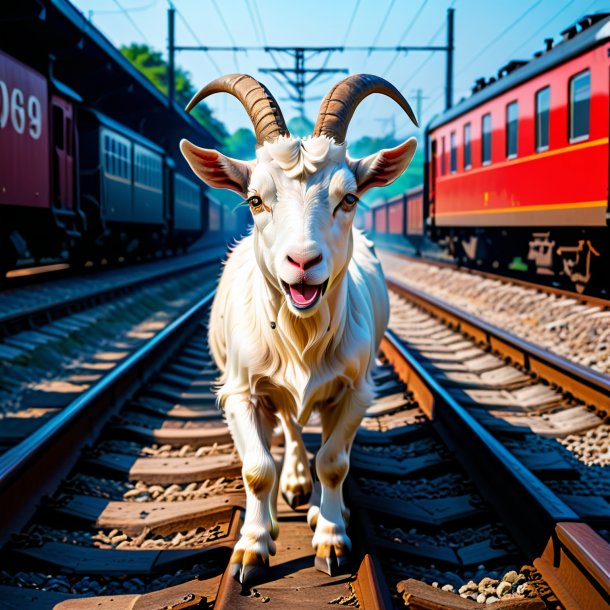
{"x": 339, "y": 105}
{"x": 263, "y": 110}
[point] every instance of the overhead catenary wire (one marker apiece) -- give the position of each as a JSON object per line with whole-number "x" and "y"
{"x": 383, "y": 23}
{"x": 132, "y": 9}
{"x": 196, "y": 38}
{"x": 425, "y": 61}
{"x": 499, "y": 36}
{"x": 256, "y": 27}
{"x": 404, "y": 36}
{"x": 351, "y": 23}
{"x": 261, "y": 23}
{"x": 131, "y": 20}
{"x": 536, "y": 33}
{"x": 545, "y": 25}
{"x": 227, "y": 30}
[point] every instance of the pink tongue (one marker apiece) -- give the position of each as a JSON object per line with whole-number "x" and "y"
{"x": 303, "y": 294}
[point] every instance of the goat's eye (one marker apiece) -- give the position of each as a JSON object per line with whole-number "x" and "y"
{"x": 256, "y": 204}
{"x": 348, "y": 202}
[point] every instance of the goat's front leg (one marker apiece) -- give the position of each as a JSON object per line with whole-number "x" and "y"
{"x": 251, "y": 426}
{"x": 295, "y": 482}
{"x": 339, "y": 426}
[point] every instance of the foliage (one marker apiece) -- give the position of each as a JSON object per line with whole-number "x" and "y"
{"x": 152, "y": 65}
{"x": 300, "y": 126}
{"x": 240, "y": 145}
{"x": 414, "y": 176}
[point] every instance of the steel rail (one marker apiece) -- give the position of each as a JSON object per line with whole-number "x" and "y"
{"x": 36, "y": 466}
{"x": 506, "y": 279}
{"x": 571, "y": 556}
{"x": 45, "y": 312}
{"x": 584, "y": 383}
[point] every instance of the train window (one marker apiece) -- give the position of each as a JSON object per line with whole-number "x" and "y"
{"x": 486, "y": 139}
{"x": 453, "y": 153}
{"x": 117, "y": 153}
{"x": 467, "y": 147}
{"x": 147, "y": 170}
{"x": 543, "y": 108}
{"x": 512, "y": 129}
{"x": 443, "y": 160}
{"x": 580, "y": 97}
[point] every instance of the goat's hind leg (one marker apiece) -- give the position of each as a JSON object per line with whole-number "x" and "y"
{"x": 295, "y": 481}
{"x": 251, "y": 426}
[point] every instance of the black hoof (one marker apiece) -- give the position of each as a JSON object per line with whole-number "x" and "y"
{"x": 235, "y": 570}
{"x": 253, "y": 575}
{"x": 294, "y": 500}
{"x": 333, "y": 565}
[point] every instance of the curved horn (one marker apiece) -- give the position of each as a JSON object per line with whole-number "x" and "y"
{"x": 339, "y": 105}
{"x": 260, "y": 105}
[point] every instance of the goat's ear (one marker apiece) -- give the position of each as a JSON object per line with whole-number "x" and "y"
{"x": 216, "y": 169}
{"x": 382, "y": 168}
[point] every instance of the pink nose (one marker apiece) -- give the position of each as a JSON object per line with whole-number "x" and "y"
{"x": 303, "y": 263}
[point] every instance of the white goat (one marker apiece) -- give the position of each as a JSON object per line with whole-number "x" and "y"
{"x": 300, "y": 310}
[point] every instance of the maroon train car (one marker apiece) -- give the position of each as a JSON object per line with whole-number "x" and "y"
{"x": 38, "y": 168}
{"x": 24, "y": 134}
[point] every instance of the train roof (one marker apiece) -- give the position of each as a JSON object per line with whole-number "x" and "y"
{"x": 87, "y": 68}
{"x": 132, "y": 135}
{"x": 574, "y": 44}
{"x": 87, "y": 29}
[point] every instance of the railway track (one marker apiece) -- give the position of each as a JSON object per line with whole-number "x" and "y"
{"x": 132, "y": 498}
{"x": 59, "y": 340}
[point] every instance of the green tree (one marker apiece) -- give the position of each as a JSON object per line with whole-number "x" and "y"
{"x": 240, "y": 145}
{"x": 152, "y": 65}
{"x": 300, "y": 126}
{"x": 414, "y": 176}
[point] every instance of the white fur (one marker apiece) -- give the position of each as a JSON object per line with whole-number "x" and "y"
{"x": 279, "y": 361}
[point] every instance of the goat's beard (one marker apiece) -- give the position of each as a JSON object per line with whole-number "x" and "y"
{"x": 308, "y": 329}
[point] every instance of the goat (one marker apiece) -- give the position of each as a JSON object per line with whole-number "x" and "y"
{"x": 300, "y": 308}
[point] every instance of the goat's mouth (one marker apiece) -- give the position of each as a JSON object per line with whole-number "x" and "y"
{"x": 304, "y": 296}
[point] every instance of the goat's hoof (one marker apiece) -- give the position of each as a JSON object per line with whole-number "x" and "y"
{"x": 253, "y": 575}
{"x": 296, "y": 498}
{"x": 248, "y": 567}
{"x": 330, "y": 563}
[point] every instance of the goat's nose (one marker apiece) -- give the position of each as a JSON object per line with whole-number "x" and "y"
{"x": 302, "y": 262}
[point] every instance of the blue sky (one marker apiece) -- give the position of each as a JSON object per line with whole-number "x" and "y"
{"x": 488, "y": 34}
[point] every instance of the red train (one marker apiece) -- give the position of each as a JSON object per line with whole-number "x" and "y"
{"x": 517, "y": 176}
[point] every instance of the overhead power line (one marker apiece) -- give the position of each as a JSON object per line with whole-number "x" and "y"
{"x": 498, "y": 37}
{"x": 227, "y": 30}
{"x": 404, "y": 35}
{"x": 196, "y": 38}
{"x": 351, "y": 22}
{"x": 261, "y": 23}
{"x": 257, "y": 29}
{"x": 296, "y": 79}
{"x": 133, "y": 9}
{"x": 382, "y": 26}
{"x": 133, "y": 23}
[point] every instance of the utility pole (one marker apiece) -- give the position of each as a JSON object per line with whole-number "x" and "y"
{"x": 296, "y": 77}
{"x": 419, "y": 98}
{"x": 450, "y": 48}
{"x": 171, "y": 51}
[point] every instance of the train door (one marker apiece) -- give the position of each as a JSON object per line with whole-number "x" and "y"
{"x": 63, "y": 153}
{"x": 429, "y": 194}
